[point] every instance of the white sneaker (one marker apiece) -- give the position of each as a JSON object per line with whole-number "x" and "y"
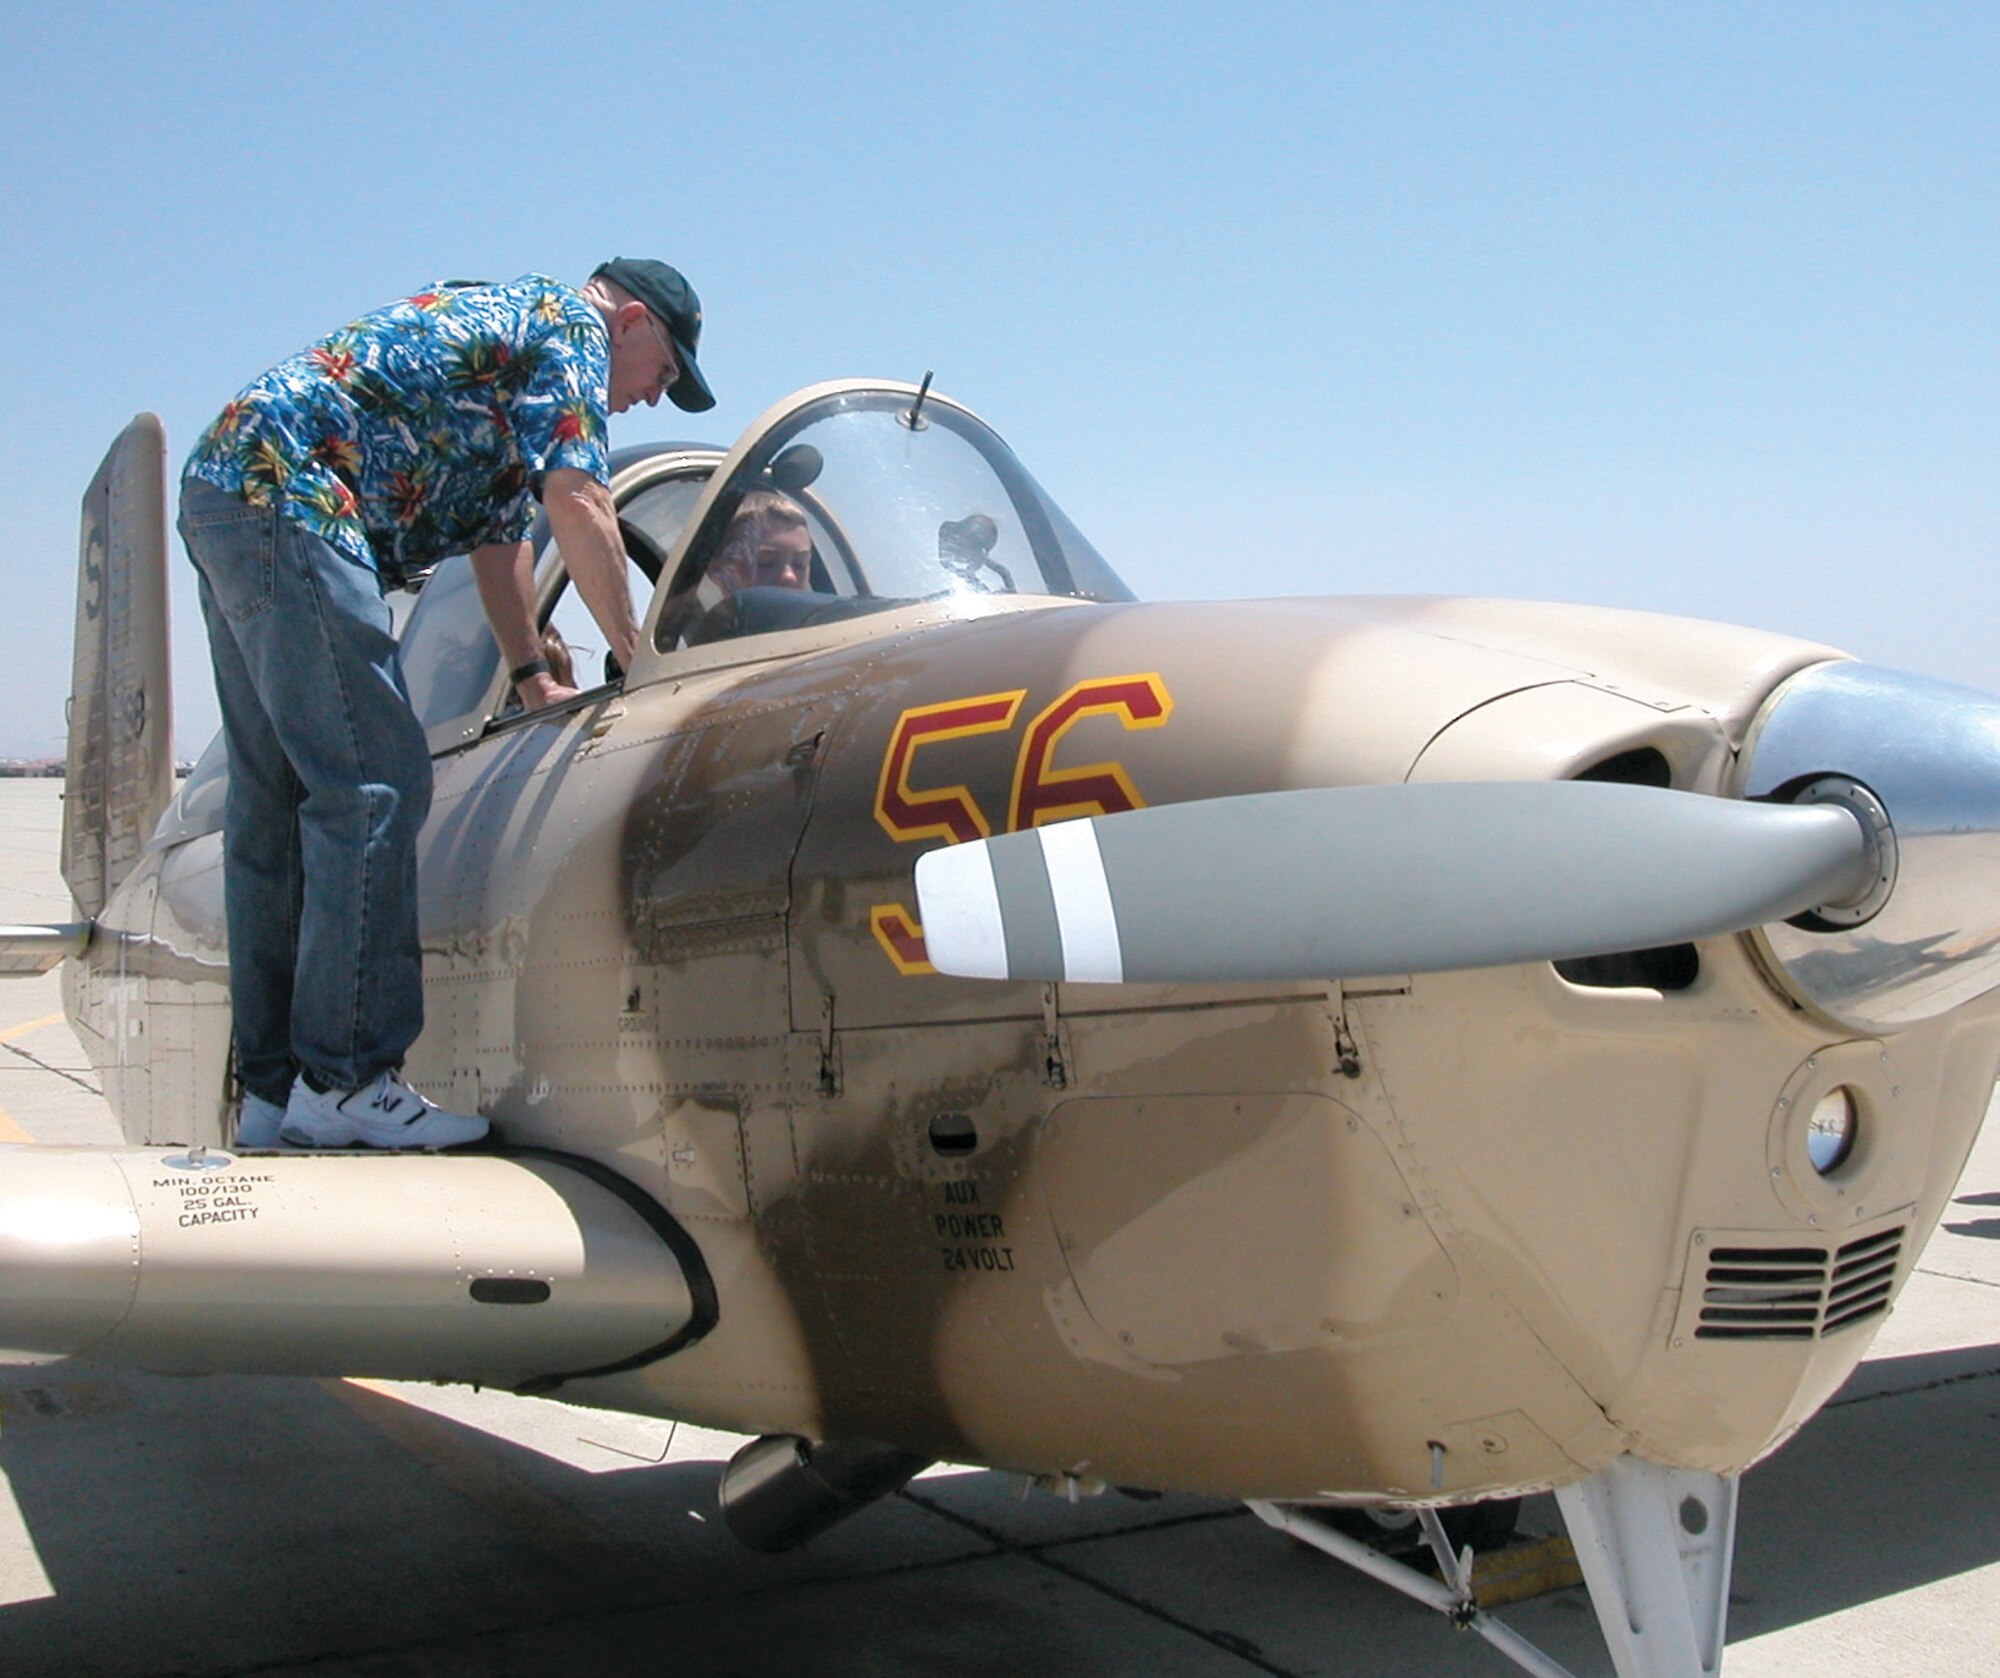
{"x": 384, "y": 1114}
{"x": 257, "y": 1122}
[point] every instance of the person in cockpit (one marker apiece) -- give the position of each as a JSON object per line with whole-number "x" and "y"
{"x": 767, "y": 545}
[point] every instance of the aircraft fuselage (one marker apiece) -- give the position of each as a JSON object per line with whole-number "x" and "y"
{"x": 1434, "y": 1235}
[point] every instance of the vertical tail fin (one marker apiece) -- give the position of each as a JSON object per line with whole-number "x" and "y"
{"x": 121, "y": 736}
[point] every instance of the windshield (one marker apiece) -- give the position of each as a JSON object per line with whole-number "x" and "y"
{"x": 848, "y": 501}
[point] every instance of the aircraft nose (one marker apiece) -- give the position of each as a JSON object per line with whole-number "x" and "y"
{"x": 1918, "y": 761}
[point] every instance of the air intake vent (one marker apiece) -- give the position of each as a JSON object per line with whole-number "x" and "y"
{"x": 1646, "y": 766}
{"x": 1796, "y": 1292}
{"x": 1671, "y": 968}
{"x": 1862, "y": 1273}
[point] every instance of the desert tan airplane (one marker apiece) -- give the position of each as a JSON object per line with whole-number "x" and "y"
{"x": 1344, "y": 1054}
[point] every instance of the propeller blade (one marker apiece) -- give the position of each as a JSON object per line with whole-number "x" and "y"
{"x": 1341, "y": 882}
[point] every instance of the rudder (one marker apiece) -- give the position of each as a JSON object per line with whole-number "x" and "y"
{"x": 121, "y": 762}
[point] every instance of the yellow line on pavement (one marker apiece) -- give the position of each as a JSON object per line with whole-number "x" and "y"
{"x": 9, "y": 1130}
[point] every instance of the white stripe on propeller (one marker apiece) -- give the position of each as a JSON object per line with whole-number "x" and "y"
{"x": 1083, "y": 903}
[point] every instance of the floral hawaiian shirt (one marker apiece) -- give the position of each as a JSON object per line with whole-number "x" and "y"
{"x": 423, "y": 429}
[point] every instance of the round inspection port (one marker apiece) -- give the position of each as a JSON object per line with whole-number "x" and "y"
{"x": 1831, "y": 1132}
{"x": 1832, "y": 1129}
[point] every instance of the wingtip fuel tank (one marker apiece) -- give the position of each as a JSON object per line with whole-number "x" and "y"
{"x": 512, "y": 1272}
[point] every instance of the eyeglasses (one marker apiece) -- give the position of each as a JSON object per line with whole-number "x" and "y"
{"x": 673, "y": 367}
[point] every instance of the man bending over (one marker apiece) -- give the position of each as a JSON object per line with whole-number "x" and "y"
{"x": 423, "y": 429}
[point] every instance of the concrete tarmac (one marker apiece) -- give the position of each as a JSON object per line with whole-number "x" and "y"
{"x": 352, "y": 1529}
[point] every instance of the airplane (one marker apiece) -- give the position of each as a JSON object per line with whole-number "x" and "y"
{"x": 1369, "y": 1057}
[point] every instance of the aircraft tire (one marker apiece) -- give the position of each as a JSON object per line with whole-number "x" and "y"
{"x": 1485, "y": 1526}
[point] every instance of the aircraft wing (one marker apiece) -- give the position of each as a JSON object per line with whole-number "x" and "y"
{"x": 28, "y": 950}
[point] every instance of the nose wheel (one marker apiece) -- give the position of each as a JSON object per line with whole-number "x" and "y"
{"x": 1475, "y": 1526}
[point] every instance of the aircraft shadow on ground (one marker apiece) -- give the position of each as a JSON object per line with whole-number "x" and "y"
{"x": 326, "y": 1530}
{"x": 339, "y": 1521}
{"x": 330, "y": 1525}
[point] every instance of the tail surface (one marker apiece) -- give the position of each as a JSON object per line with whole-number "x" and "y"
{"x": 121, "y": 735}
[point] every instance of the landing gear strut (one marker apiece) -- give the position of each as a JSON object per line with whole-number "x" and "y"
{"x": 1654, "y": 1544}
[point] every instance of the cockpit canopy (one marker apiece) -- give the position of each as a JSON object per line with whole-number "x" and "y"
{"x": 859, "y": 498}
{"x": 843, "y": 501}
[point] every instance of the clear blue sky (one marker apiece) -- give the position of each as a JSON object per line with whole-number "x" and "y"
{"x": 1688, "y": 307}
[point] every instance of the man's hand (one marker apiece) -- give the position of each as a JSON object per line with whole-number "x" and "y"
{"x": 541, "y": 690}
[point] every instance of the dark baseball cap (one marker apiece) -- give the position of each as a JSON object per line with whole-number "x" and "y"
{"x": 672, "y": 301}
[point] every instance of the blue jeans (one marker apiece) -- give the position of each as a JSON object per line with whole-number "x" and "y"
{"x": 329, "y": 783}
